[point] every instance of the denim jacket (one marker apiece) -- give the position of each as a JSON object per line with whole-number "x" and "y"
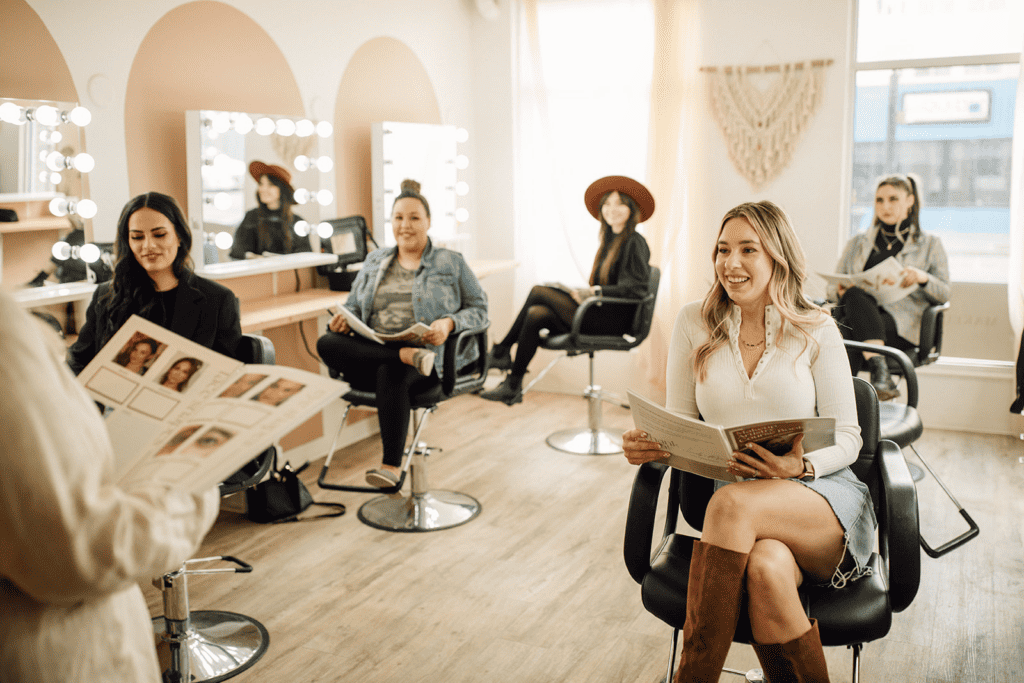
{"x": 444, "y": 286}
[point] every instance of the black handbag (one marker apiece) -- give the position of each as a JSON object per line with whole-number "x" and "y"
{"x": 282, "y": 497}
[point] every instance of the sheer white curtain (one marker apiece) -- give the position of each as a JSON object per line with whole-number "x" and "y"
{"x": 583, "y": 87}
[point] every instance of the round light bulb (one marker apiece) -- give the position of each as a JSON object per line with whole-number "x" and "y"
{"x": 264, "y": 126}
{"x": 44, "y": 135}
{"x": 325, "y": 230}
{"x": 324, "y": 129}
{"x": 42, "y": 156}
{"x": 462, "y": 188}
{"x": 80, "y": 116}
{"x": 47, "y": 115}
{"x": 301, "y": 228}
{"x": 55, "y": 161}
{"x": 84, "y": 162}
{"x": 243, "y": 124}
{"x": 10, "y": 112}
{"x": 461, "y": 135}
{"x": 86, "y": 209}
{"x": 56, "y": 137}
{"x": 285, "y": 127}
{"x": 324, "y": 197}
{"x": 44, "y": 176}
{"x": 222, "y": 201}
{"x": 462, "y": 215}
{"x": 61, "y": 251}
{"x": 461, "y": 162}
{"x": 325, "y": 164}
{"x": 301, "y": 163}
{"x": 304, "y": 128}
{"x": 89, "y": 253}
{"x": 223, "y": 240}
{"x": 301, "y": 195}
{"x": 59, "y": 206}
{"x": 55, "y": 177}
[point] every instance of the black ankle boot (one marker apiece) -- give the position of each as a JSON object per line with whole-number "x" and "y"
{"x": 880, "y": 379}
{"x": 499, "y": 358}
{"x": 509, "y": 392}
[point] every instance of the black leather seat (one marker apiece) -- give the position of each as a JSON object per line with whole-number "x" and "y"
{"x": 212, "y": 645}
{"x": 858, "y": 613}
{"x": 424, "y": 509}
{"x": 594, "y": 439}
{"x": 901, "y": 423}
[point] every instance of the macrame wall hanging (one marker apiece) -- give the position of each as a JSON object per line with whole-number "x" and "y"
{"x": 762, "y": 126}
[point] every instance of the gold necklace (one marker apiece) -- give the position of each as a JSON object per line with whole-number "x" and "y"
{"x": 752, "y": 346}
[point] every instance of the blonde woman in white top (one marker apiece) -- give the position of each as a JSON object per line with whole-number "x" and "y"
{"x": 757, "y": 349}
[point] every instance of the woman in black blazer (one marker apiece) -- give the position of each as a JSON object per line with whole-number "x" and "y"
{"x": 153, "y": 278}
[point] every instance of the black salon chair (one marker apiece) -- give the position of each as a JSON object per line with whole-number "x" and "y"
{"x": 424, "y": 509}
{"x": 901, "y": 423}
{"x": 858, "y": 613}
{"x": 206, "y": 646}
{"x": 594, "y": 439}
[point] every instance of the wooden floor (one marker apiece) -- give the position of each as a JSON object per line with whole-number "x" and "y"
{"x": 535, "y": 589}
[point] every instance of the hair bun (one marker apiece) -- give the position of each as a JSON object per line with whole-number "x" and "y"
{"x": 410, "y": 186}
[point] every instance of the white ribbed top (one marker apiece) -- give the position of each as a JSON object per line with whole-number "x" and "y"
{"x": 790, "y": 381}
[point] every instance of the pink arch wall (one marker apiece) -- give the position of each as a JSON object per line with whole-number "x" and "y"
{"x": 201, "y": 55}
{"x": 44, "y": 76}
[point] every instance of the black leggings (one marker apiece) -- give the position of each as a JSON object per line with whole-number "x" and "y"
{"x": 369, "y": 366}
{"x": 861, "y": 318}
{"x": 545, "y": 307}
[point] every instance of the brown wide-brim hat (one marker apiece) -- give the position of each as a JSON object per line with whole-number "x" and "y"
{"x": 258, "y": 169}
{"x": 623, "y": 185}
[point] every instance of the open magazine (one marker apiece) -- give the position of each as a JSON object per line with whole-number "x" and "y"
{"x": 189, "y": 416}
{"x": 414, "y": 333}
{"x": 882, "y": 281}
{"x": 706, "y": 449}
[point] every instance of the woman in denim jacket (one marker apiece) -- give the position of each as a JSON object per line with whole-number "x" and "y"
{"x": 413, "y": 282}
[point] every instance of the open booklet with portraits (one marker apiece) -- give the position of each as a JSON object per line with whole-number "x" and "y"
{"x": 188, "y": 416}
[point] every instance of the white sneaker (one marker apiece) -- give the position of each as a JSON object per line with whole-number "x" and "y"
{"x": 423, "y": 361}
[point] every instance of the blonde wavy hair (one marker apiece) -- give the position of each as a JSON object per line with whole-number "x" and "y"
{"x": 785, "y": 288}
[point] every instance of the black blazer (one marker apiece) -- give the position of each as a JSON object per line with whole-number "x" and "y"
{"x": 204, "y": 311}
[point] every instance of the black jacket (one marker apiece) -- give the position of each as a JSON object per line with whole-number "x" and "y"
{"x": 204, "y": 312}
{"x": 247, "y": 235}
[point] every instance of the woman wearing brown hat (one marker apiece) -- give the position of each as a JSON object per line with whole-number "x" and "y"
{"x": 270, "y": 227}
{"x": 620, "y": 269}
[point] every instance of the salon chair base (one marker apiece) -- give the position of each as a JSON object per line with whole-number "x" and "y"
{"x": 218, "y": 645}
{"x": 592, "y": 439}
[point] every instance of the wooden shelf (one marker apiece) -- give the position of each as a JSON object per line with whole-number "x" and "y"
{"x": 269, "y": 264}
{"x": 54, "y": 294}
{"x": 285, "y": 309}
{"x": 42, "y": 223}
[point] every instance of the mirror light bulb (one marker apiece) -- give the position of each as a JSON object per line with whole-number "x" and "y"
{"x": 56, "y": 137}
{"x": 301, "y": 163}
{"x": 324, "y": 197}
{"x": 55, "y": 161}
{"x": 243, "y": 124}
{"x": 324, "y": 230}
{"x": 301, "y": 195}
{"x": 461, "y": 135}
{"x": 10, "y": 112}
{"x": 462, "y": 188}
{"x": 61, "y": 251}
{"x": 325, "y": 164}
{"x": 222, "y": 201}
{"x": 47, "y": 115}
{"x": 84, "y": 162}
{"x": 80, "y": 116}
{"x": 55, "y": 177}
{"x": 462, "y": 215}
{"x": 59, "y": 206}
{"x": 324, "y": 129}
{"x": 89, "y": 252}
{"x": 44, "y": 176}
{"x": 461, "y": 162}
{"x": 86, "y": 209}
{"x": 285, "y": 127}
{"x": 223, "y": 240}
{"x": 301, "y": 228}
{"x": 304, "y": 128}
{"x": 264, "y": 126}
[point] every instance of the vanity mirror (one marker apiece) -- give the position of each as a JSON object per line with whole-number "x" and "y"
{"x": 221, "y": 145}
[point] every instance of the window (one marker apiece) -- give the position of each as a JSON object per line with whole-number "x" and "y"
{"x": 941, "y": 106}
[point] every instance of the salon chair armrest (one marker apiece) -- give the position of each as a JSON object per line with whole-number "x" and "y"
{"x": 452, "y": 382}
{"x": 643, "y": 506}
{"x": 898, "y": 525}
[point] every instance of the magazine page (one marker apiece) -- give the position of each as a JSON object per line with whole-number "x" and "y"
{"x": 881, "y": 281}
{"x": 184, "y": 414}
{"x": 695, "y": 446}
{"x": 777, "y": 436}
{"x": 413, "y": 333}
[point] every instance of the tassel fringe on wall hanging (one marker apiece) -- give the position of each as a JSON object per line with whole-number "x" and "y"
{"x": 762, "y": 127}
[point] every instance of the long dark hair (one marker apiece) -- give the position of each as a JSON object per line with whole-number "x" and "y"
{"x": 908, "y": 184}
{"x": 284, "y": 211}
{"x": 131, "y": 289}
{"x": 611, "y": 244}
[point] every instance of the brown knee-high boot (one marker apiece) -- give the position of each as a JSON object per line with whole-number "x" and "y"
{"x": 801, "y": 660}
{"x": 713, "y": 598}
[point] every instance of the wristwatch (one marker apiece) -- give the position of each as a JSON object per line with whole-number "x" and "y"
{"x": 808, "y": 474}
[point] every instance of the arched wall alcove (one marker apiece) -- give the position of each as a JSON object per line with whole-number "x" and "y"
{"x": 201, "y": 55}
{"x": 384, "y": 81}
{"x": 33, "y": 67}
